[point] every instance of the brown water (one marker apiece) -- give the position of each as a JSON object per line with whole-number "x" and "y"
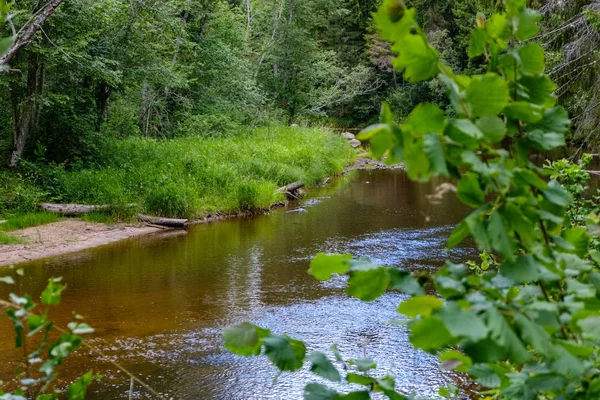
{"x": 159, "y": 303}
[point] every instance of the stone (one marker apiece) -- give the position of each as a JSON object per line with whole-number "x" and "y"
{"x": 354, "y": 143}
{"x": 348, "y": 136}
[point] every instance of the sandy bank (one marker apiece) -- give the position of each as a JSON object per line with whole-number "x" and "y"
{"x": 66, "y": 236}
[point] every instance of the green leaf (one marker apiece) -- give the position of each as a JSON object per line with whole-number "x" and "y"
{"x": 502, "y": 335}
{"x": 77, "y": 390}
{"x": 530, "y": 178}
{"x": 287, "y": 354}
{"x": 316, "y": 391}
{"x": 485, "y": 375}
{"x": 455, "y": 360}
{"x": 462, "y": 323}
{"x": 52, "y": 293}
{"x": 430, "y": 334}
{"x": 359, "y": 379}
{"x": 556, "y": 194}
{"x": 524, "y": 111}
{"x": 371, "y": 131}
{"x": 546, "y": 382}
{"x": 382, "y": 142}
{"x": 532, "y": 59}
{"x": 535, "y": 336}
{"x": 420, "y": 305}
{"x": 416, "y": 58}
{"x": 590, "y": 327}
{"x": 477, "y": 43}
{"x": 386, "y": 116}
{"x": 425, "y": 118}
{"x": 467, "y": 127}
{"x": 539, "y": 90}
{"x": 323, "y": 367}
{"x": 367, "y": 281}
{"x": 497, "y": 26}
{"x": 364, "y": 364}
{"x": 545, "y": 140}
{"x": 553, "y": 120}
{"x": 523, "y": 269}
{"x": 323, "y": 265}
{"x": 579, "y": 238}
{"x": 498, "y": 236}
{"x": 360, "y": 395}
{"x": 460, "y": 233}
{"x": 487, "y": 95}
{"x": 435, "y": 154}
{"x": 404, "y": 282}
{"x": 244, "y": 339}
{"x": 520, "y": 223}
{"x": 478, "y": 230}
{"x": 469, "y": 191}
{"x": 527, "y": 25}
{"x": 492, "y": 127}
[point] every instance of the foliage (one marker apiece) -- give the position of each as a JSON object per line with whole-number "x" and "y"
{"x": 529, "y": 328}
{"x": 43, "y": 355}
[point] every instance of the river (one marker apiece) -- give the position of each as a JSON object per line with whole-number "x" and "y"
{"x": 160, "y": 303}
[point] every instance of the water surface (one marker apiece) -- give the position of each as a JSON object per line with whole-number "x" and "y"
{"x": 160, "y": 303}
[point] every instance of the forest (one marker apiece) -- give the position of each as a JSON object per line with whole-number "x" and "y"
{"x": 457, "y": 213}
{"x": 87, "y": 80}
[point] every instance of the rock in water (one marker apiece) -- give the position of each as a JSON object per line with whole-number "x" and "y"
{"x": 355, "y": 143}
{"x": 348, "y": 136}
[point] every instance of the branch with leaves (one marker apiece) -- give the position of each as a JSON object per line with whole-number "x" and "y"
{"x": 530, "y": 328}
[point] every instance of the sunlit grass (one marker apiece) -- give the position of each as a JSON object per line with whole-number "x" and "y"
{"x": 26, "y": 220}
{"x": 9, "y": 239}
{"x": 189, "y": 176}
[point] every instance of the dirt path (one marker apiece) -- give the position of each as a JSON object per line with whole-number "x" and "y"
{"x": 66, "y": 236}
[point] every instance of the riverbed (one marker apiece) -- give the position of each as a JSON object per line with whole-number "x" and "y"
{"x": 159, "y": 303}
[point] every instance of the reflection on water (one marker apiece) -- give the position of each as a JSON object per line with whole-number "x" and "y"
{"x": 159, "y": 303}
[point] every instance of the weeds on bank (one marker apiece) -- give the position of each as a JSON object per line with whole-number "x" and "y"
{"x": 189, "y": 176}
{"x": 26, "y": 220}
{"x": 9, "y": 239}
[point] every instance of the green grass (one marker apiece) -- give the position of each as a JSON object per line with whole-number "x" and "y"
{"x": 99, "y": 217}
{"x": 8, "y": 239}
{"x": 26, "y": 220}
{"x": 190, "y": 176}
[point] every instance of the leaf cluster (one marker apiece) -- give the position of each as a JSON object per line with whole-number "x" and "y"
{"x": 529, "y": 328}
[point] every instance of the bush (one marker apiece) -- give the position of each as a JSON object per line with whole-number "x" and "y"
{"x": 208, "y": 126}
{"x": 171, "y": 201}
{"x": 17, "y": 195}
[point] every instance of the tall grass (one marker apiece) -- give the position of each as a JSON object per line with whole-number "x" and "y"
{"x": 189, "y": 176}
{"x": 9, "y": 239}
{"x": 26, "y": 220}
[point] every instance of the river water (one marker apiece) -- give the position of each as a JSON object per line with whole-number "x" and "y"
{"x": 160, "y": 303}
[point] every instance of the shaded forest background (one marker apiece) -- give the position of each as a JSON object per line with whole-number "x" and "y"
{"x": 100, "y": 70}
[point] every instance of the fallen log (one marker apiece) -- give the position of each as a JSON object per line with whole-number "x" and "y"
{"x": 169, "y": 222}
{"x": 72, "y": 209}
{"x": 291, "y": 190}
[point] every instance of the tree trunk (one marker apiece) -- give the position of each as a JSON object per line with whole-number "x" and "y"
{"x": 22, "y": 124}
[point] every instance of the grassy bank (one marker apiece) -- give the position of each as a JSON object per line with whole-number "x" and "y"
{"x": 184, "y": 177}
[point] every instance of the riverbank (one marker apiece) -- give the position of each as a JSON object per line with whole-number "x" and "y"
{"x": 66, "y": 236}
{"x": 185, "y": 177}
